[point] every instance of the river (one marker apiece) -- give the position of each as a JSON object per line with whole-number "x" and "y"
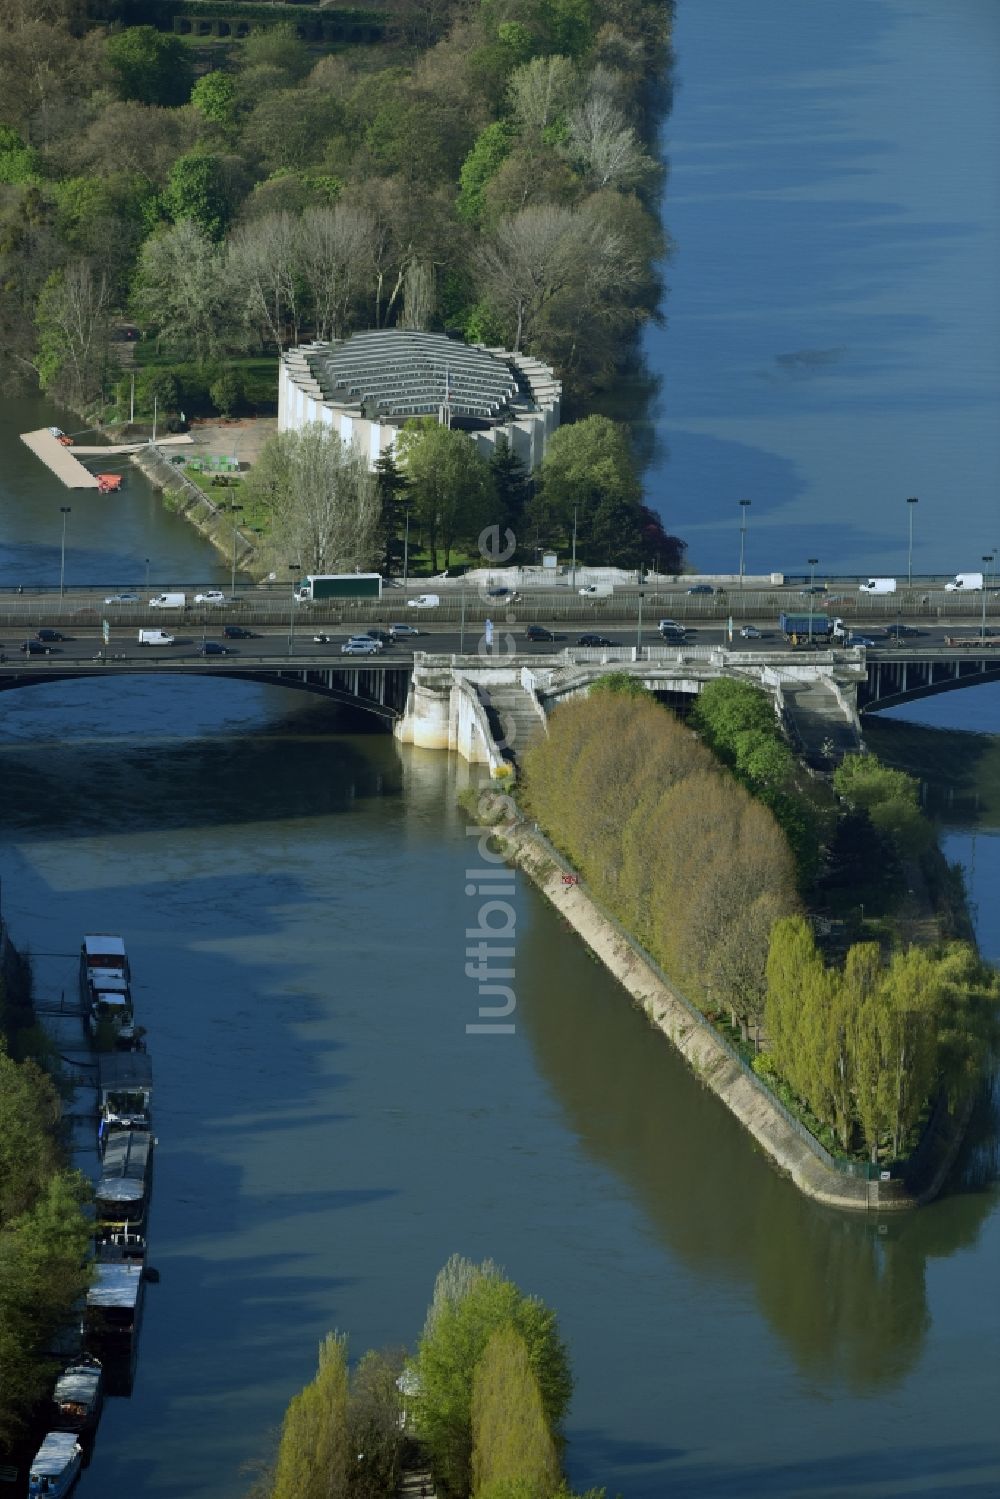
{"x": 291, "y": 888}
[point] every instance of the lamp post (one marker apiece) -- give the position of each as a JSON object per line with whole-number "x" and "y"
{"x": 744, "y": 507}
{"x": 812, "y": 583}
{"x": 461, "y": 628}
{"x": 293, "y": 568}
{"x": 406, "y": 546}
{"x": 987, "y": 559}
{"x": 147, "y": 574}
{"x": 638, "y": 633}
{"x": 911, "y": 501}
{"x": 236, "y": 509}
{"x": 573, "y": 570}
{"x": 65, "y": 509}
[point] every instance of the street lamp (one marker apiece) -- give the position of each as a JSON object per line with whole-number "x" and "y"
{"x": 406, "y": 546}
{"x": 638, "y": 633}
{"x": 744, "y": 507}
{"x": 812, "y": 583}
{"x": 147, "y": 574}
{"x": 573, "y": 573}
{"x": 236, "y": 509}
{"x": 293, "y": 568}
{"x": 987, "y": 559}
{"x": 911, "y": 501}
{"x": 62, "y": 556}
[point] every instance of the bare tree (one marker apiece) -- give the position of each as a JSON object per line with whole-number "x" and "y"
{"x": 334, "y": 254}
{"x": 263, "y": 263}
{"x": 322, "y": 499}
{"x": 182, "y": 289}
{"x": 542, "y": 90}
{"x": 73, "y": 313}
{"x": 606, "y": 145}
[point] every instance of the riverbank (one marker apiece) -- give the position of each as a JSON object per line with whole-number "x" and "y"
{"x": 183, "y": 497}
{"x": 783, "y": 1140}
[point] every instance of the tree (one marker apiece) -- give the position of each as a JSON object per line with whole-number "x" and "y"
{"x": 373, "y": 1421}
{"x": 321, "y": 500}
{"x": 262, "y": 261}
{"x": 214, "y": 96}
{"x": 588, "y": 469}
{"x": 511, "y": 485}
{"x": 73, "y": 319}
{"x": 511, "y": 1440}
{"x": 450, "y": 1351}
{"x": 198, "y": 189}
{"x": 606, "y": 146}
{"x": 450, "y": 483}
{"x": 542, "y": 91}
{"x": 182, "y": 290}
{"x": 29, "y": 1114}
{"x": 391, "y": 487}
{"x": 334, "y": 251}
{"x": 313, "y": 1452}
{"x": 150, "y": 66}
{"x": 491, "y": 148}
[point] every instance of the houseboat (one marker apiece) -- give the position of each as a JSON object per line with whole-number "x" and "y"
{"x": 122, "y": 1191}
{"x": 113, "y": 1308}
{"x": 124, "y": 1090}
{"x": 78, "y": 1394}
{"x": 56, "y": 1465}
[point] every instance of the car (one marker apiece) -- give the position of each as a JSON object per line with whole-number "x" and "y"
{"x": 749, "y": 632}
{"x": 213, "y": 648}
{"x": 48, "y": 635}
{"x": 366, "y": 639}
{"x": 324, "y": 640}
{"x": 384, "y": 637}
{"x": 855, "y": 639}
{"x": 539, "y": 632}
{"x": 359, "y": 648}
{"x": 670, "y": 624}
{"x": 501, "y": 593}
{"x": 897, "y": 632}
{"x": 35, "y": 648}
{"x": 122, "y": 598}
{"x": 594, "y": 640}
{"x": 815, "y": 588}
{"x": 674, "y": 633}
{"x": 701, "y": 588}
{"x": 403, "y": 632}
{"x": 212, "y": 596}
{"x": 238, "y": 632}
{"x": 424, "y": 601}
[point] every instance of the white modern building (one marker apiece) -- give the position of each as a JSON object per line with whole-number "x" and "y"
{"x": 368, "y": 385}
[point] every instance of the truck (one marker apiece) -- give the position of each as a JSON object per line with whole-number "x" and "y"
{"x": 799, "y": 629}
{"x": 878, "y": 585}
{"x": 155, "y": 637}
{"x": 317, "y": 586}
{"x": 974, "y": 642}
{"x": 966, "y": 583}
{"x": 596, "y": 590}
{"x": 168, "y": 601}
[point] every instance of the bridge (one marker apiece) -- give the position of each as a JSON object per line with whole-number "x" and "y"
{"x": 488, "y": 706}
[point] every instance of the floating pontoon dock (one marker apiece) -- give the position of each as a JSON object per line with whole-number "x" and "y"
{"x": 65, "y": 461}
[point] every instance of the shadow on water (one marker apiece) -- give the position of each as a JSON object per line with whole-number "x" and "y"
{"x": 959, "y": 772}
{"x": 846, "y": 1294}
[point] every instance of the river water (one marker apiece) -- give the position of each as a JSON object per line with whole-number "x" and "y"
{"x": 292, "y": 891}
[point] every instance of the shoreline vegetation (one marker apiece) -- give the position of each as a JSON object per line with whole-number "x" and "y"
{"x": 44, "y": 1231}
{"x": 476, "y": 1410}
{"x": 483, "y": 171}
{"x": 716, "y": 881}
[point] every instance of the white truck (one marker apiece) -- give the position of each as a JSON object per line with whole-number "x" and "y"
{"x": 155, "y": 637}
{"x": 966, "y": 583}
{"x": 878, "y": 585}
{"x": 596, "y": 590}
{"x": 424, "y": 601}
{"x": 168, "y": 601}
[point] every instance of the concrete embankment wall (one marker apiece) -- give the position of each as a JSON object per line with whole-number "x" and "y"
{"x": 185, "y": 498}
{"x": 712, "y": 1061}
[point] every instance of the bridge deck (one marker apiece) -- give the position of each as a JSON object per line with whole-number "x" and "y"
{"x": 59, "y": 459}
{"x": 115, "y": 450}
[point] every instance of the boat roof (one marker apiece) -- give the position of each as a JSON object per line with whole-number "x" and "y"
{"x": 107, "y": 978}
{"x": 125, "y": 1071}
{"x": 115, "y": 1284}
{"x": 120, "y": 1189}
{"x": 55, "y": 1454}
{"x": 103, "y": 945}
{"x": 77, "y": 1385}
{"x": 110, "y": 997}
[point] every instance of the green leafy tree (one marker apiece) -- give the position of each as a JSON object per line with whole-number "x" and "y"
{"x": 18, "y": 162}
{"x": 491, "y": 149}
{"x": 452, "y": 1348}
{"x": 150, "y": 66}
{"x": 512, "y": 487}
{"x": 588, "y": 467}
{"x": 183, "y": 292}
{"x": 511, "y": 1440}
{"x": 197, "y": 189}
{"x": 450, "y": 484}
{"x": 312, "y": 1458}
{"x": 226, "y": 392}
{"x": 391, "y": 487}
{"x": 214, "y": 96}
{"x": 373, "y": 1420}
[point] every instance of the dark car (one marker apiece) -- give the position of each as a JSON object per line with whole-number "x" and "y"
{"x": 35, "y": 648}
{"x": 855, "y": 639}
{"x": 816, "y": 588}
{"x": 701, "y": 588}
{"x": 212, "y": 648}
{"x": 237, "y": 632}
{"x": 500, "y": 593}
{"x": 749, "y": 632}
{"x": 594, "y": 640}
{"x": 539, "y": 632}
{"x": 49, "y": 635}
{"x": 898, "y": 632}
{"x": 384, "y": 637}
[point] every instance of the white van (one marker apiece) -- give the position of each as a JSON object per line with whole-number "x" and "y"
{"x": 597, "y": 590}
{"x": 967, "y": 582}
{"x": 155, "y": 637}
{"x": 424, "y": 601}
{"x": 168, "y": 601}
{"x": 878, "y": 585}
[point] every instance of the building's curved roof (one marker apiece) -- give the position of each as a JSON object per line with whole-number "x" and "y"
{"x": 395, "y": 374}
